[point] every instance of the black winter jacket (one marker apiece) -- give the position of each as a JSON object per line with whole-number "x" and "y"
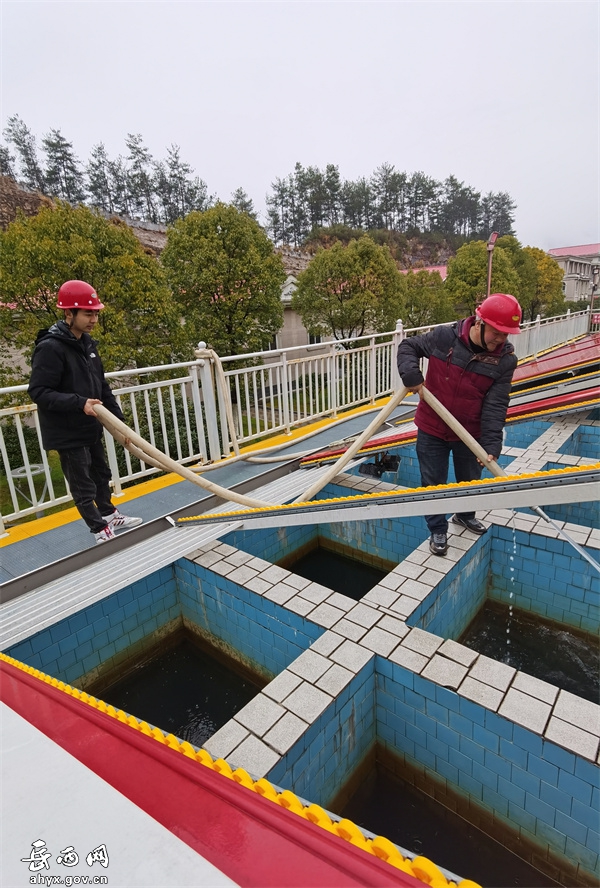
{"x": 473, "y": 385}
{"x": 65, "y": 372}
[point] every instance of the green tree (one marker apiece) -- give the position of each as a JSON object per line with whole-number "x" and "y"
{"x": 140, "y": 325}
{"x": 226, "y": 274}
{"x": 545, "y": 297}
{"x": 466, "y": 283}
{"x": 64, "y": 177}
{"x": 242, "y": 202}
{"x": 426, "y": 300}
{"x": 350, "y": 290}
{"x": 23, "y": 140}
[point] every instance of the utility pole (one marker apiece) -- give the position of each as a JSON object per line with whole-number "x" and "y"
{"x": 490, "y": 248}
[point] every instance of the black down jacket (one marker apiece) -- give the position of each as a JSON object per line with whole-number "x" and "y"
{"x": 66, "y": 371}
{"x": 473, "y": 384}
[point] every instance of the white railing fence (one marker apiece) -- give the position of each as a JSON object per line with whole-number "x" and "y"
{"x": 182, "y": 408}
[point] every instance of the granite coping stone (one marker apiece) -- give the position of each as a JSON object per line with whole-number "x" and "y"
{"x": 254, "y": 756}
{"x": 525, "y": 710}
{"x": 300, "y": 606}
{"x": 325, "y": 615}
{"x": 335, "y": 680}
{"x": 379, "y": 595}
{"x": 422, "y": 642}
{"x": 393, "y": 626}
{"x": 342, "y": 602}
{"x": 409, "y": 570}
{"x": 308, "y": 702}
{"x": 282, "y": 736}
{"x": 490, "y": 672}
{"x": 581, "y": 713}
{"x": 409, "y": 659}
{"x": 309, "y": 665}
{"x": 274, "y": 574}
{"x": 315, "y": 593}
{"x": 391, "y": 581}
{"x": 350, "y": 630}
{"x": 481, "y": 693}
{"x": 363, "y": 615}
{"x": 297, "y": 581}
{"x": 225, "y": 740}
{"x": 326, "y": 643}
{"x": 222, "y": 568}
{"x": 258, "y": 585}
{"x": 282, "y": 686}
{"x": 379, "y": 641}
{"x": 458, "y": 652}
{"x": 243, "y": 574}
{"x": 280, "y": 593}
{"x": 415, "y": 589}
{"x": 535, "y": 687}
{"x": 575, "y": 739}
{"x": 351, "y": 655}
{"x": 238, "y": 557}
{"x": 207, "y": 559}
{"x": 259, "y": 714}
{"x": 444, "y": 672}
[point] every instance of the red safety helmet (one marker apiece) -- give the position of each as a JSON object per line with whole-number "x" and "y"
{"x": 78, "y": 294}
{"x": 502, "y": 312}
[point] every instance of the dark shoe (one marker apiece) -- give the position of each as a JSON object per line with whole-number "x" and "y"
{"x": 471, "y": 524}
{"x": 438, "y": 544}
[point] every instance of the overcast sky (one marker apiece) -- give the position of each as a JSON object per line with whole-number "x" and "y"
{"x": 501, "y": 94}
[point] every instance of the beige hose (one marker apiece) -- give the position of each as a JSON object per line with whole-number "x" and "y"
{"x": 147, "y": 453}
{"x": 355, "y": 447}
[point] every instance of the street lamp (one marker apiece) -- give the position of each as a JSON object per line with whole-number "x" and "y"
{"x": 490, "y": 248}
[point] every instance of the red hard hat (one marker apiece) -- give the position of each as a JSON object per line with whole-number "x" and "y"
{"x": 502, "y": 312}
{"x": 78, "y": 294}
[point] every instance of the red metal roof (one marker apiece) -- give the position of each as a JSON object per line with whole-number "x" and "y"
{"x": 582, "y": 250}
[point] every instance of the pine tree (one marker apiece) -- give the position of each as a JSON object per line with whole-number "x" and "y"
{"x": 22, "y": 139}
{"x": 64, "y": 177}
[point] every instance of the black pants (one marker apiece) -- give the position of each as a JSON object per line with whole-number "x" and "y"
{"x": 88, "y": 476}
{"x": 434, "y": 460}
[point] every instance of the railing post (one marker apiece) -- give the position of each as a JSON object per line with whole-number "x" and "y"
{"x": 333, "y": 381}
{"x": 197, "y": 404}
{"x": 396, "y": 340}
{"x": 372, "y": 373}
{"x": 285, "y": 394}
{"x": 210, "y": 405}
{"x": 3, "y": 531}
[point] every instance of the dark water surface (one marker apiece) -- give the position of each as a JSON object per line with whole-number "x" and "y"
{"x": 184, "y": 691}
{"x": 337, "y": 572}
{"x": 389, "y": 807}
{"x": 564, "y": 658}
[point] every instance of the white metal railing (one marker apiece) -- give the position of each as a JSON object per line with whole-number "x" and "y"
{"x": 181, "y": 408}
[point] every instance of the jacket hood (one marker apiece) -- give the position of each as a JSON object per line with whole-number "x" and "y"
{"x": 62, "y": 332}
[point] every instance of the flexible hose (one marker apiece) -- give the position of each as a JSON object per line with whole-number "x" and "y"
{"x": 137, "y": 445}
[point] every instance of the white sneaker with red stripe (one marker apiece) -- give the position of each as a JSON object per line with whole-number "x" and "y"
{"x": 103, "y": 536}
{"x": 118, "y": 521}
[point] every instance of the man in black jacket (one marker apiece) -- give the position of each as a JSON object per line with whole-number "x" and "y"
{"x": 470, "y": 371}
{"x": 67, "y": 379}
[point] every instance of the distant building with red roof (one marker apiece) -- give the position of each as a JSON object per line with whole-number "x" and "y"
{"x": 581, "y": 270}
{"x": 441, "y": 269}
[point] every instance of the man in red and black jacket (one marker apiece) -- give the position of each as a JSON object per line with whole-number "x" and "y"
{"x": 471, "y": 365}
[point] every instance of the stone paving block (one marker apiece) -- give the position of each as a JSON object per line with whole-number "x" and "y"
{"x": 444, "y": 672}
{"x": 243, "y": 575}
{"x": 274, "y": 574}
{"x": 363, "y": 615}
{"x": 326, "y": 616}
{"x": 297, "y": 581}
{"x": 380, "y": 642}
{"x": 351, "y": 655}
{"x": 285, "y": 733}
{"x": 415, "y": 589}
{"x": 259, "y": 564}
{"x": 238, "y": 557}
{"x": 379, "y": 595}
{"x": 525, "y": 710}
{"x": 567, "y": 735}
{"x": 258, "y": 585}
{"x": 340, "y": 601}
{"x": 254, "y": 756}
{"x": 335, "y": 680}
{"x": 458, "y": 539}
{"x": 392, "y": 581}
{"x": 409, "y": 569}
{"x": 481, "y": 693}
{"x": 579, "y": 712}
{"x": 315, "y": 593}
{"x": 308, "y": 702}
{"x": 350, "y": 630}
{"x": 393, "y": 626}
{"x": 458, "y": 652}
{"x": 490, "y": 672}
{"x": 310, "y": 666}
{"x": 409, "y": 659}
{"x": 404, "y": 606}
{"x": 259, "y": 714}
{"x": 422, "y": 642}
{"x": 225, "y": 740}
{"x": 300, "y": 605}
{"x": 280, "y": 593}
{"x": 225, "y": 549}
{"x": 282, "y": 686}
{"x": 535, "y": 687}
{"x": 327, "y": 643}
{"x": 432, "y": 577}
{"x": 207, "y": 559}
{"x": 418, "y": 556}
{"x": 222, "y": 568}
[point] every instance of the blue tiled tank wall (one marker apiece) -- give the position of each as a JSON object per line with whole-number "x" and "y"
{"x": 585, "y": 441}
